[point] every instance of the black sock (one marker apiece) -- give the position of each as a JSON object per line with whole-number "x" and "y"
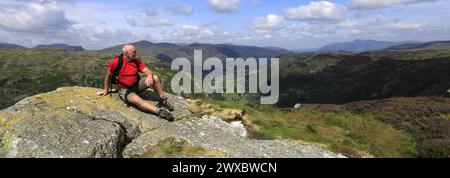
{"x": 163, "y": 97}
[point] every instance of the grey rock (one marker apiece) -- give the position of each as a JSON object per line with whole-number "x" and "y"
{"x": 213, "y": 133}
{"x": 72, "y": 122}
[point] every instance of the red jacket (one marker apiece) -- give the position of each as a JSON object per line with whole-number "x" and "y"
{"x": 127, "y": 74}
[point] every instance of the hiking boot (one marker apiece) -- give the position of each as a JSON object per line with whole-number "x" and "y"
{"x": 165, "y": 114}
{"x": 165, "y": 103}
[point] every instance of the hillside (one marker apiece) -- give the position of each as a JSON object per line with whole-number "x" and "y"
{"x": 407, "y": 54}
{"x": 61, "y": 46}
{"x": 358, "y": 46}
{"x": 425, "y": 119}
{"x": 422, "y": 46}
{"x": 10, "y": 46}
{"x": 342, "y": 78}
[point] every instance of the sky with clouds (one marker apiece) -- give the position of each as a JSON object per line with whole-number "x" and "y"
{"x": 292, "y": 24}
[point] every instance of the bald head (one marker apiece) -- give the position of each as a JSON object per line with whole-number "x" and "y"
{"x": 130, "y": 51}
{"x": 128, "y": 47}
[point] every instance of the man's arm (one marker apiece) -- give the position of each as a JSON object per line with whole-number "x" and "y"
{"x": 106, "y": 85}
{"x": 149, "y": 74}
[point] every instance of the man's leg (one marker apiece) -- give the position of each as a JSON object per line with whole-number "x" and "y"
{"x": 145, "y": 106}
{"x": 157, "y": 86}
{"x": 162, "y": 99}
{"x": 135, "y": 99}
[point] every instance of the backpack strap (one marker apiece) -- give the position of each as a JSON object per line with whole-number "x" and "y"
{"x": 119, "y": 66}
{"x": 114, "y": 78}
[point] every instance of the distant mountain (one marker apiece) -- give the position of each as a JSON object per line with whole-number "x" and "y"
{"x": 169, "y": 51}
{"x": 358, "y": 46}
{"x": 306, "y": 50}
{"x": 61, "y": 46}
{"x": 162, "y": 51}
{"x": 10, "y": 46}
{"x": 275, "y": 48}
{"x": 182, "y": 44}
{"x": 233, "y": 51}
{"x": 168, "y": 45}
{"x": 422, "y": 46}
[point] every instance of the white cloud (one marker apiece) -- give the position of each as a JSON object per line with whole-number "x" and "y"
{"x": 43, "y": 17}
{"x": 269, "y": 23}
{"x": 149, "y": 13}
{"x": 375, "y": 4}
{"x": 147, "y": 18}
{"x": 384, "y": 25}
{"x": 88, "y": 36}
{"x": 180, "y": 10}
{"x": 406, "y": 25}
{"x": 190, "y": 27}
{"x": 192, "y": 31}
{"x": 225, "y": 5}
{"x": 300, "y": 30}
{"x": 101, "y": 37}
{"x": 189, "y": 33}
{"x": 316, "y": 10}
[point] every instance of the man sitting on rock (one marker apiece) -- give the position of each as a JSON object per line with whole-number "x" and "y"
{"x": 127, "y": 79}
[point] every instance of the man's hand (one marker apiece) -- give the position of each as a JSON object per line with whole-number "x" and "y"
{"x": 149, "y": 81}
{"x": 102, "y": 93}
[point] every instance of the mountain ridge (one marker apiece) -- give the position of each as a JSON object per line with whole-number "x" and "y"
{"x": 359, "y": 45}
{"x": 422, "y": 46}
{"x": 169, "y": 51}
{"x": 10, "y": 46}
{"x": 61, "y": 46}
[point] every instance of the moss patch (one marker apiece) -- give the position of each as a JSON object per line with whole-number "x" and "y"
{"x": 201, "y": 108}
{"x": 5, "y": 144}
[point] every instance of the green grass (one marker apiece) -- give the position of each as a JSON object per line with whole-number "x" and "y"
{"x": 350, "y": 134}
{"x": 226, "y": 102}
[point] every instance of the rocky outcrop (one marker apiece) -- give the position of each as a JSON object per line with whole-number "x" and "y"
{"x": 213, "y": 133}
{"x": 72, "y": 122}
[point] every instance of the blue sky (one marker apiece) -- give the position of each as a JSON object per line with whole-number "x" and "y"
{"x": 292, "y": 24}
